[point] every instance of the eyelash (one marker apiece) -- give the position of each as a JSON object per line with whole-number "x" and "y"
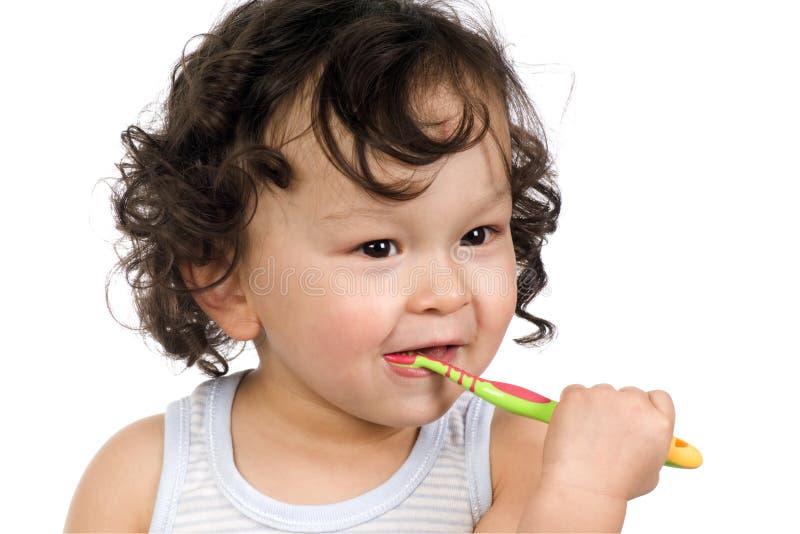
{"x": 492, "y": 230}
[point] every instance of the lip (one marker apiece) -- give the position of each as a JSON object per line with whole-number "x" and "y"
{"x": 448, "y": 356}
{"x": 434, "y": 342}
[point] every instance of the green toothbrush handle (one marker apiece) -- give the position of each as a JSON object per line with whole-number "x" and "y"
{"x": 513, "y": 398}
{"x": 526, "y": 403}
{"x": 541, "y": 411}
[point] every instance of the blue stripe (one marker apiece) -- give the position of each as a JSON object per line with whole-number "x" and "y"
{"x": 462, "y": 486}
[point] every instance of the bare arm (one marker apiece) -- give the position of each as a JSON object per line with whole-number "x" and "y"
{"x": 571, "y": 510}
{"x": 118, "y": 489}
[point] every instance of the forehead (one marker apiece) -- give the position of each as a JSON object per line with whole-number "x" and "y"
{"x": 468, "y": 179}
{"x": 329, "y": 196}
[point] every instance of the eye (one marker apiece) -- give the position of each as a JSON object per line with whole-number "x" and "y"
{"x": 477, "y": 236}
{"x": 382, "y": 248}
{"x": 377, "y": 249}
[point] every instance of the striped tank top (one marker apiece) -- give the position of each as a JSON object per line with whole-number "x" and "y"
{"x": 443, "y": 486}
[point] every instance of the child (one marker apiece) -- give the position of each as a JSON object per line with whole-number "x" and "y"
{"x": 337, "y": 180}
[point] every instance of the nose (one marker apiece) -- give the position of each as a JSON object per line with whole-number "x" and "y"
{"x": 438, "y": 287}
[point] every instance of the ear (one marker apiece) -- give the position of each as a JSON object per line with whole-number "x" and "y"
{"x": 224, "y": 303}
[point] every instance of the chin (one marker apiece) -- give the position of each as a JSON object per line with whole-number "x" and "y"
{"x": 420, "y": 411}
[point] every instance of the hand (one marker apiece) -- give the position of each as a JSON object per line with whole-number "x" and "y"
{"x": 606, "y": 442}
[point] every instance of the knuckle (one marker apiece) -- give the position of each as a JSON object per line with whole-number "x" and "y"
{"x": 662, "y": 393}
{"x": 572, "y": 390}
{"x": 664, "y": 398}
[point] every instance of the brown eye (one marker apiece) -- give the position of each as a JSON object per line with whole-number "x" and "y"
{"x": 377, "y": 249}
{"x": 477, "y": 236}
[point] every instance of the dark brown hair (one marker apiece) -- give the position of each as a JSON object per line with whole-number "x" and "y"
{"x": 187, "y": 180}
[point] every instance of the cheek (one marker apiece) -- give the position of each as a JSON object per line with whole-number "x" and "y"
{"x": 510, "y": 297}
{"x": 359, "y": 324}
{"x": 497, "y": 296}
{"x": 500, "y": 309}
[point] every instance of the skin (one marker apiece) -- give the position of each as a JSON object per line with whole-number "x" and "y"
{"x": 323, "y": 406}
{"x": 603, "y": 448}
{"x": 322, "y": 418}
{"x": 321, "y": 377}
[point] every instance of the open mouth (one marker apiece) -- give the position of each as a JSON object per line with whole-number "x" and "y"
{"x": 445, "y": 354}
{"x": 438, "y": 352}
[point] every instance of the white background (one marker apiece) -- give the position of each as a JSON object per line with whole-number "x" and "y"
{"x": 674, "y": 267}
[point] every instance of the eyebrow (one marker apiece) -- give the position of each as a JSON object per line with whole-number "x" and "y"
{"x": 497, "y": 197}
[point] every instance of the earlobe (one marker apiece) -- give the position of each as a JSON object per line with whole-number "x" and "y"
{"x": 224, "y": 303}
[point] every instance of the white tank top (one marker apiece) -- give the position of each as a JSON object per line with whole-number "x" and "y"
{"x": 443, "y": 486}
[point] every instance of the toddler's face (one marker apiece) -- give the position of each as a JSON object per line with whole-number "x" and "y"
{"x": 338, "y": 279}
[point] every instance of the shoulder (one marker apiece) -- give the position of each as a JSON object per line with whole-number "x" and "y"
{"x": 118, "y": 489}
{"x": 516, "y": 459}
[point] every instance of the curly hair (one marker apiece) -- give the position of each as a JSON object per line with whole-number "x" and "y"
{"x": 186, "y": 181}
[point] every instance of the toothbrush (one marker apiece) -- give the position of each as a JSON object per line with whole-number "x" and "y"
{"x": 521, "y": 401}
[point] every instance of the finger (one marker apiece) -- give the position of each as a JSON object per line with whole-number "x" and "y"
{"x": 633, "y": 389}
{"x": 650, "y": 485}
{"x": 572, "y": 388}
{"x": 604, "y": 386}
{"x": 663, "y": 402}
